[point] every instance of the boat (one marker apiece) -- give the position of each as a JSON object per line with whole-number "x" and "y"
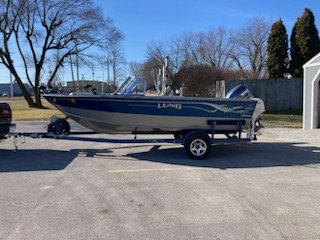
{"x": 130, "y": 110}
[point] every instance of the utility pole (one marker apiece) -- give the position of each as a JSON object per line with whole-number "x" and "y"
{"x": 77, "y": 62}
{"x": 102, "y": 83}
{"x": 158, "y": 82}
{"x": 92, "y": 72}
{"x": 11, "y": 86}
{"x": 72, "y": 75}
{"x": 108, "y": 75}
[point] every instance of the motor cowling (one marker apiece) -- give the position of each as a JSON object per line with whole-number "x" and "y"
{"x": 239, "y": 92}
{"x": 242, "y": 92}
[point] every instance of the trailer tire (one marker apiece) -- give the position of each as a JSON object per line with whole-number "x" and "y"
{"x": 198, "y": 146}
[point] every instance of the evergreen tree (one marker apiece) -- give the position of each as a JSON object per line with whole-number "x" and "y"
{"x": 305, "y": 42}
{"x": 277, "y": 50}
{"x": 295, "y": 62}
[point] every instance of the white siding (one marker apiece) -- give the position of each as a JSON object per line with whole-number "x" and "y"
{"x": 311, "y": 97}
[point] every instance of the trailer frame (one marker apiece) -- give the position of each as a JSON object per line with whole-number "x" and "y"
{"x": 197, "y": 143}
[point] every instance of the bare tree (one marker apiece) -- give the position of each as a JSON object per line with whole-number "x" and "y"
{"x": 135, "y": 68}
{"x": 197, "y": 80}
{"x": 157, "y": 52}
{"x": 251, "y": 52}
{"x": 156, "y": 55}
{"x": 148, "y": 70}
{"x": 39, "y": 29}
{"x": 117, "y": 61}
{"x": 189, "y": 44}
{"x": 180, "y": 50}
{"x": 216, "y": 48}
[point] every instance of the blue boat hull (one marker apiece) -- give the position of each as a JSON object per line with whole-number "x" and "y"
{"x": 119, "y": 114}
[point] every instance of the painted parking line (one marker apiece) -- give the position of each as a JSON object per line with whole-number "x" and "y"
{"x": 149, "y": 170}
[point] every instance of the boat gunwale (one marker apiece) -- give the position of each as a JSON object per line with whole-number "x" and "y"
{"x": 145, "y": 98}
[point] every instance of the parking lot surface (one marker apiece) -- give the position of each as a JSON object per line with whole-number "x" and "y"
{"x": 69, "y": 189}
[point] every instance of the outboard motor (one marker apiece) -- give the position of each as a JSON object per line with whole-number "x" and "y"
{"x": 239, "y": 91}
{"x": 242, "y": 92}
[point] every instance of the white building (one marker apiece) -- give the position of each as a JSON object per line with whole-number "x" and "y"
{"x": 311, "y": 95}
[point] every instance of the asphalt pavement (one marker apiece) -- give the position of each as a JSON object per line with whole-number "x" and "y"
{"x": 70, "y": 189}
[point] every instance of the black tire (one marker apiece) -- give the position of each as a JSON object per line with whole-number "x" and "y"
{"x": 198, "y": 146}
{"x": 50, "y": 128}
{"x": 66, "y": 126}
{"x": 59, "y": 126}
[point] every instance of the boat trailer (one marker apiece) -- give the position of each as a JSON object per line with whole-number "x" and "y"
{"x": 197, "y": 143}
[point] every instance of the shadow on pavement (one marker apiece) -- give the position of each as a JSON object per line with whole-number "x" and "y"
{"x": 35, "y": 160}
{"x": 223, "y": 157}
{"x": 231, "y": 156}
{"x": 40, "y": 160}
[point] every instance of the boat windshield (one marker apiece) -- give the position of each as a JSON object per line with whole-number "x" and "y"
{"x": 133, "y": 86}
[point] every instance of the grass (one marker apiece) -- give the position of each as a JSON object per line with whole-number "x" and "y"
{"x": 281, "y": 120}
{"x": 21, "y": 111}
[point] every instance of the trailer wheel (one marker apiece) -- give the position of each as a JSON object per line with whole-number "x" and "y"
{"x": 198, "y": 146}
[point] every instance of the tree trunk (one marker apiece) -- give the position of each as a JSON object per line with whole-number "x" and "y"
{"x": 27, "y": 97}
{"x": 37, "y": 97}
{"x": 36, "y": 87}
{"x": 25, "y": 92}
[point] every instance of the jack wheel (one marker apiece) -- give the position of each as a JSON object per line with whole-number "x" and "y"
{"x": 59, "y": 126}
